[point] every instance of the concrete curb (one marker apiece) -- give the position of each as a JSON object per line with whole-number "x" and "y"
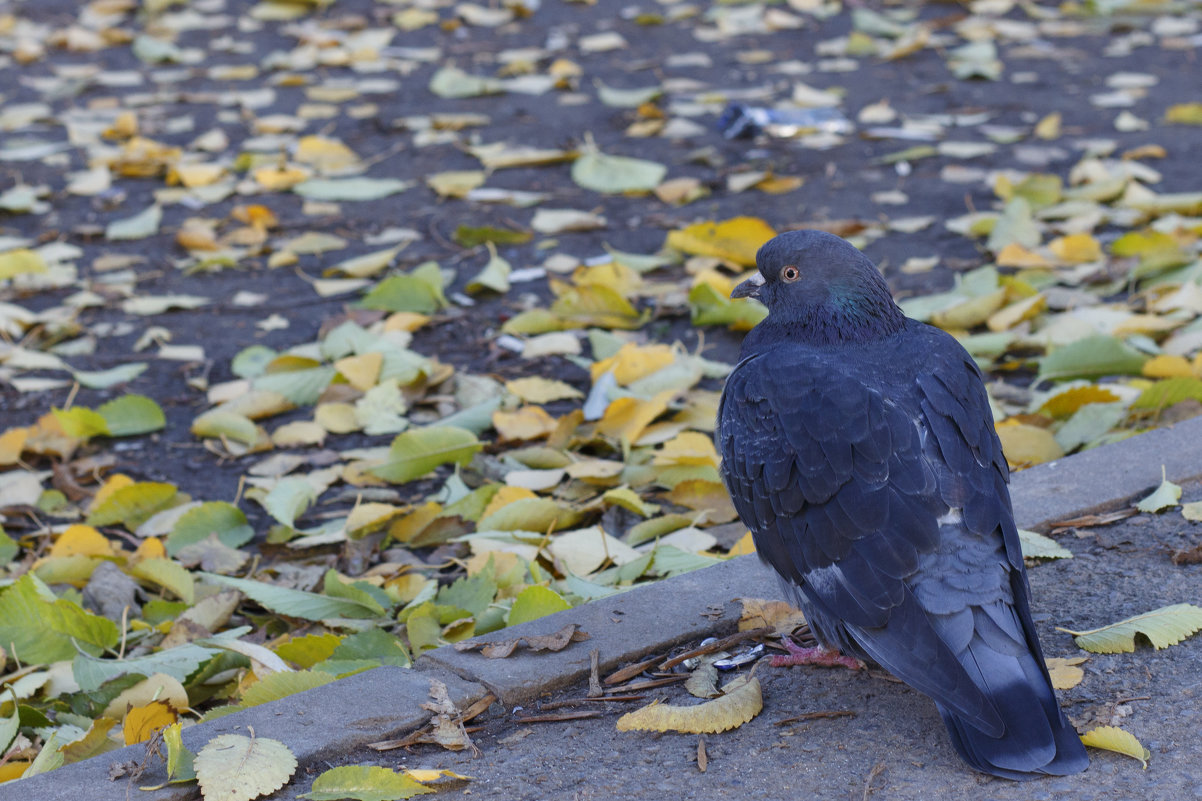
{"x": 649, "y": 619}
{"x": 316, "y": 725}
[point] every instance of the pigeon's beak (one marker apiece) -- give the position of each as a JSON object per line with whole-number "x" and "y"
{"x": 749, "y": 288}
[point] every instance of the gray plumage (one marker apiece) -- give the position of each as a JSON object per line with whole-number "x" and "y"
{"x": 859, "y": 448}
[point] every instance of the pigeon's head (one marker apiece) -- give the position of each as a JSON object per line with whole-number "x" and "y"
{"x": 821, "y": 288}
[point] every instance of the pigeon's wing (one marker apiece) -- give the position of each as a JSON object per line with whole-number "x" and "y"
{"x": 833, "y": 478}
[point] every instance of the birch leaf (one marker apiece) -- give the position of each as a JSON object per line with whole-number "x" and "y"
{"x": 1112, "y": 738}
{"x": 1163, "y": 627}
{"x": 741, "y": 701}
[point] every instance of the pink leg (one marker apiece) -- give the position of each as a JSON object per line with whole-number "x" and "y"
{"x": 818, "y": 655}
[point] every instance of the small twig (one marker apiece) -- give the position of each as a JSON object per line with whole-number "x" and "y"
{"x": 594, "y": 678}
{"x": 830, "y": 713}
{"x": 581, "y": 715}
{"x": 1133, "y": 698}
{"x": 719, "y": 645}
{"x": 647, "y": 685}
{"x": 630, "y": 671}
{"x": 578, "y": 701}
{"x": 872, "y": 774}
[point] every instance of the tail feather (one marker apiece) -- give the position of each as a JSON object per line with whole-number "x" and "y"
{"x": 1036, "y": 740}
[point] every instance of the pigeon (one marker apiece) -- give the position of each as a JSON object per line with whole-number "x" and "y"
{"x": 858, "y": 446}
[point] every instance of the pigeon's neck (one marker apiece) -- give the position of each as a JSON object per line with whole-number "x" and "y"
{"x": 836, "y": 321}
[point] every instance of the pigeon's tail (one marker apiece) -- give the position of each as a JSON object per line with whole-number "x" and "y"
{"x": 1036, "y": 739}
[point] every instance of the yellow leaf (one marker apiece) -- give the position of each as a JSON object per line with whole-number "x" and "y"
{"x": 125, "y": 126}
{"x": 404, "y": 529}
{"x": 80, "y": 539}
{"x": 337, "y": 418}
{"x": 455, "y": 183}
{"x": 1010, "y": 316}
{"x": 149, "y": 548}
{"x": 735, "y": 240}
{"x": 745, "y": 545}
{"x": 970, "y": 312}
{"x": 541, "y": 390}
{"x": 1015, "y": 255}
{"x": 528, "y": 422}
{"x": 1066, "y": 403}
{"x": 759, "y": 612}
{"x": 779, "y": 184}
{"x": 325, "y": 154}
{"x": 193, "y": 175}
{"x": 689, "y": 447}
{"x": 232, "y": 767}
{"x": 1065, "y": 673}
{"x": 710, "y": 497}
{"x": 1076, "y": 248}
{"x": 21, "y": 262}
{"x": 505, "y": 496}
{"x": 361, "y": 372}
{"x": 298, "y": 433}
{"x": 1112, "y": 738}
{"x": 1167, "y": 366}
{"x": 281, "y": 178}
{"x": 193, "y": 235}
{"x": 12, "y": 442}
{"x": 115, "y": 482}
{"x": 1049, "y": 126}
{"x": 405, "y": 321}
{"x": 1027, "y": 445}
{"x": 1184, "y": 113}
{"x": 141, "y": 722}
{"x": 633, "y": 362}
{"x": 626, "y": 418}
{"x": 368, "y": 517}
{"x": 740, "y": 702}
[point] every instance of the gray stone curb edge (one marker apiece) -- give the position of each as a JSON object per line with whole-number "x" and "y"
{"x": 382, "y": 703}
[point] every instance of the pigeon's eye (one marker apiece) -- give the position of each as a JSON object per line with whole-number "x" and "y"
{"x": 789, "y": 274}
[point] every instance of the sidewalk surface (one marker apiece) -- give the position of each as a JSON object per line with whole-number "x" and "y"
{"x": 889, "y": 741}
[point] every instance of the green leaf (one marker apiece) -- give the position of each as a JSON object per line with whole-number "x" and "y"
{"x": 615, "y": 174}
{"x": 134, "y": 505}
{"x": 252, "y": 362}
{"x": 534, "y": 602}
{"x": 364, "y": 783}
{"x": 107, "y": 379}
{"x": 361, "y": 592}
{"x": 1037, "y": 546}
{"x": 310, "y": 649}
{"x": 82, "y": 423}
{"x": 288, "y": 499}
{"x": 419, "y": 291}
{"x": 473, "y": 593}
{"x": 10, "y": 725}
{"x": 470, "y": 236}
{"x": 494, "y": 276}
{"x": 1014, "y": 226}
{"x": 1168, "y": 392}
{"x": 1091, "y": 357}
{"x": 343, "y": 189}
{"x": 528, "y": 514}
{"x": 38, "y": 628}
{"x": 1166, "y": 496}
{"x": 179, "y": 758}
{"x": 708, "y": 306}
{"x": 132, "y": 414}
{"x": 8, "y": 548}
{"x": 1163, "y": 627}
{"x": 275, "y": 686}
{"x": 374, "y": 644}
{"x": 169, "y": 575}
{"x": 301, "y": 387}
{"x": 215, "y": 517}
{"x": 294, "y": 603}
{"x": 452, "y": 82}
{"x": 143, "y": 224}
{"x": 417, "y": 452}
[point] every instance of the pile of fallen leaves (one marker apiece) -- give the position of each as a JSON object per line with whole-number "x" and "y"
{"x": 440, "y": 431}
